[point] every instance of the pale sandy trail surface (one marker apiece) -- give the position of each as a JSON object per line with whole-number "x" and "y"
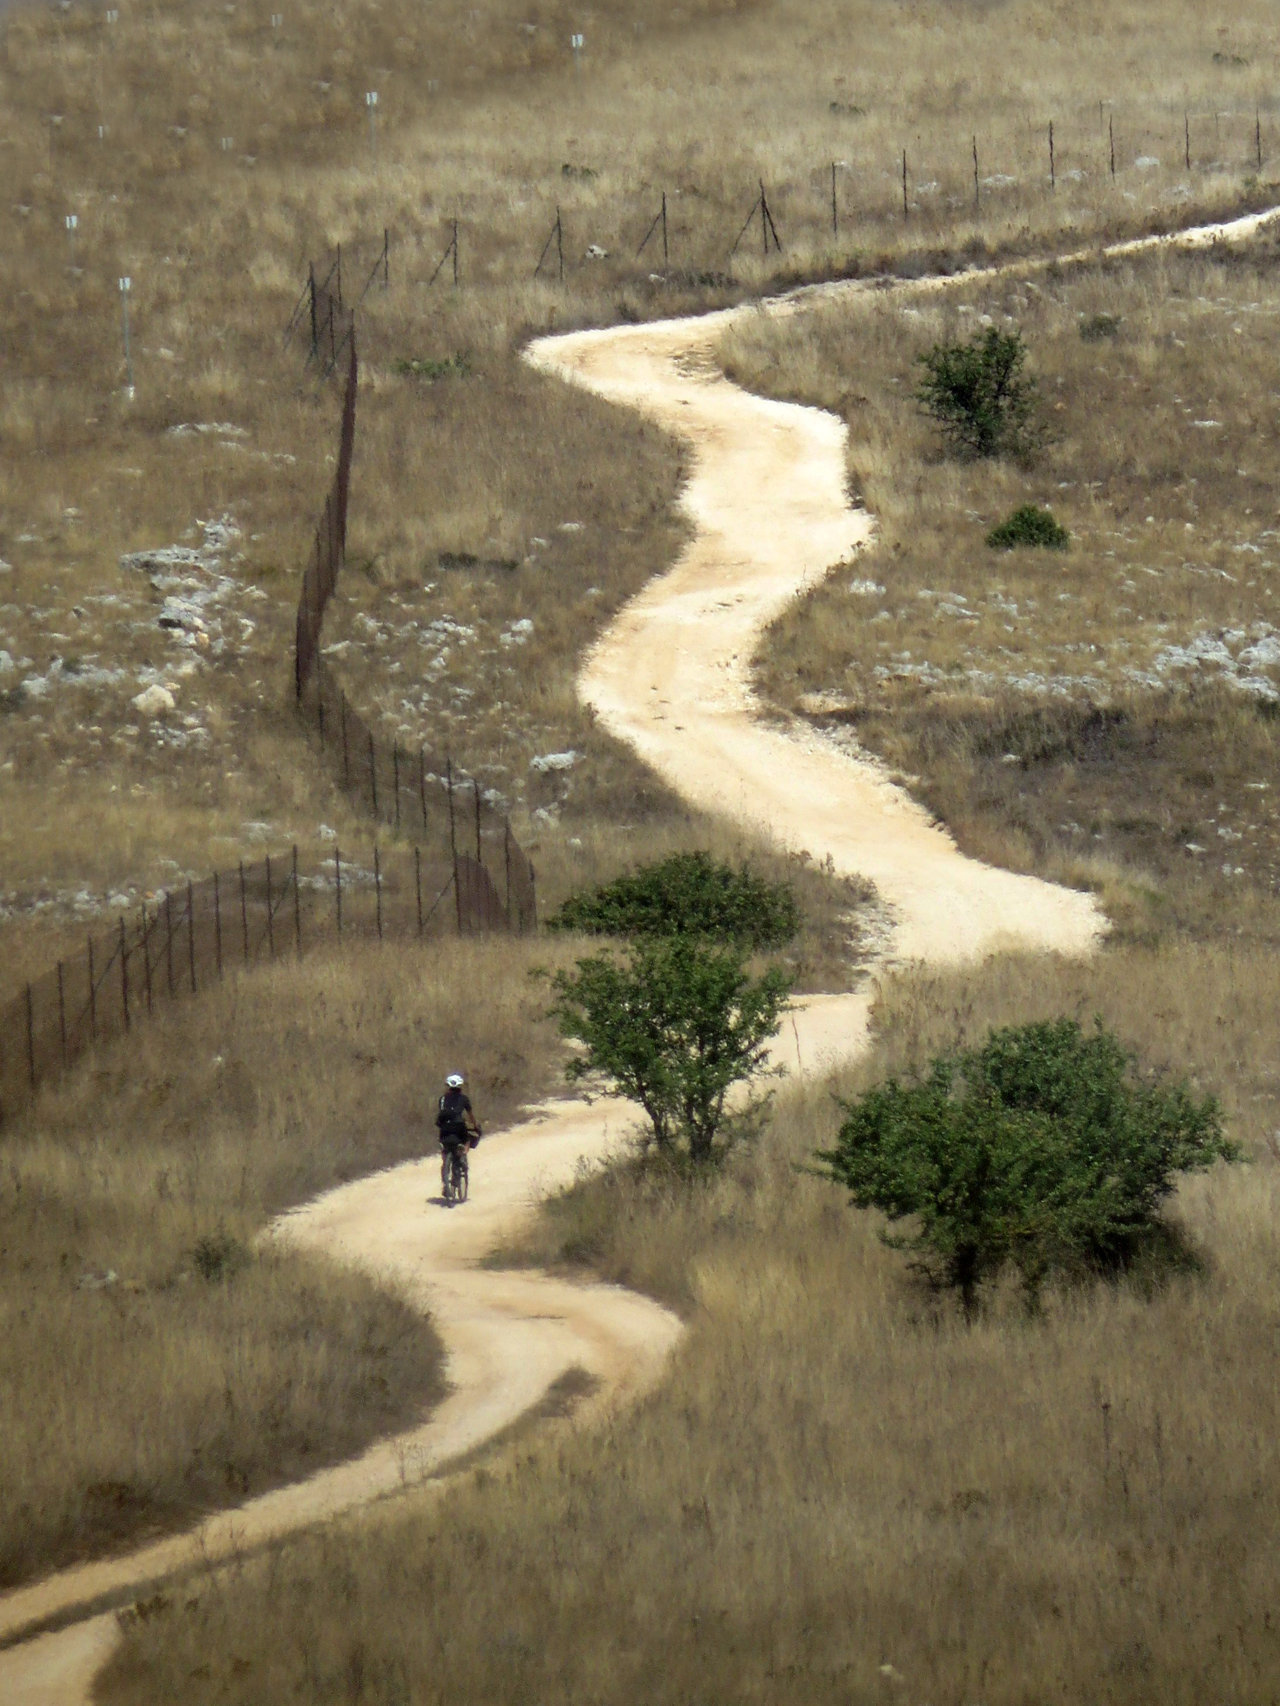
{"x": 671, "y": 676}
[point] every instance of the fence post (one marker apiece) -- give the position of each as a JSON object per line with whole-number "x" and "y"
{"x": 217, "y": 924}
{"x": 373, "y": 773}
{"x": 835, "y": 209}
{"x": 453, "y": 830}
{"x": 244, "y": 915}
{"x": 906, "y": 208}
{"x": 320, "y": 712}
{"x": 191, "y": 934}
{"x": 124, "y": 973}
{"x": 395, "y": 778}
{"x": 62, "y": 1016}
{"x": 337, "y": 886}
{"x": 1111, "y": 137}
{"x": 346, "y": 757}
{"x": 1257, "y": 136}
{"x": 146, "y": 956}
{"x": 977, "y": 191}
{"x": 422, "y": 783}
{"x": 31, "y": 1038}
{"x": 1053, "y": 165}
{"x": 93, "y": 997}
{"x": 297, "y": 905}
{"x": 168, "y": 938}
{"x": 271, "y": 923}
{"x": 1186, "y": 140}
{"x": 377, "y": 886}
{"x": 479, "y": 845}
{"x": 417, "y": 883}
{"x": 386, "y": 259}
{"x": 315, "y": 330}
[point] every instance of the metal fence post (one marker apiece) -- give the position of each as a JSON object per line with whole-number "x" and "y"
{"x": 124, "y": 973}
{"x": 479, "y": 845}
{"x": 146, "y": 955}
{"x": 168, "y": 938}
{"x": 244, "y": 915}
{"x": 337, "y": 886}
{"x": 191, "y": 934}
{"x": 506, "y": 860}
{"x": 377, "y": 886}
{"x": 297, "y": 906}
{"x": 422, "y": 783}
{"x": 395, "y": 779}
{"x": 217, "y": 923}
{"x": 62, "y": 1015}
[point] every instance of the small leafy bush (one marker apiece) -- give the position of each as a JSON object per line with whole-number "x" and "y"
{"x": 688, "y": 894}
{"x": 218, "y": 1256}
{"x": 673, "y": 1026}
{"x": 980, "y": 397}
{"x": 1029, "y": 525}
{"x": 1097, "y": 328}
{"x": 1040, "y": 1151}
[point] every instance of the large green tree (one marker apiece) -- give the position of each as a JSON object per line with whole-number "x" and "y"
{"x": 1042, "y": 1150}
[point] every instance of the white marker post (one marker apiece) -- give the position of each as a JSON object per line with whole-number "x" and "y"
{"x": 72, "y": 221}
{"x": 227, "y": 143}
{"x": 371, "y": 101}
{"x": 576, "y": 42}
{"x": 113, "y": 17}
{"x": 126, "y": 285}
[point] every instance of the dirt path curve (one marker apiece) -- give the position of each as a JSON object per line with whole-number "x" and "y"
{"x": 671, "y": 676}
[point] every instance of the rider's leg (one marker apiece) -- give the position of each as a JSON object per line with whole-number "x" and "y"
{"x": 444, "y": 1166}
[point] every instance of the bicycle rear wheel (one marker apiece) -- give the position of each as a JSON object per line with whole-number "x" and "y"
{"x": 458, "y": 1176}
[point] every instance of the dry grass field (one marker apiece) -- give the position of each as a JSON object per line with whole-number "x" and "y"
{"x": 1108, "y": 714}
{"x": 203, "y": 1371}
{"x": 841, "y": 1493}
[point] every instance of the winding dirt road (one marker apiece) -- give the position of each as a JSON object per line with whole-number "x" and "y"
{"x": 671, "y": 676}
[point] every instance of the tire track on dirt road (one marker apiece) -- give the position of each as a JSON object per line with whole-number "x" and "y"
{"x": 672, "y": 677}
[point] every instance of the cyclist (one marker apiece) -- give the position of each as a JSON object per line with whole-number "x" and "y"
{"x": 456, "y": 1124}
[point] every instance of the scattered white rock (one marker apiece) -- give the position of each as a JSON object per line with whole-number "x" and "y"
{"x": 154, "y": 701}
{"x": 550, "y": 762}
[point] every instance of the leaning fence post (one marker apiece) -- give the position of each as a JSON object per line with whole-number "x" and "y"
{"x": 417, "y": 883}
{"x": 62, "y": 1015}
{"x": 373, "y": 773}
{"x": 271, "y": 923}
{"x": 377, "y": 886}
{"x": 168, "y": 938}
{"x": 217, "y": 924}
{"x": 93, "y": 997}
{"x": 146, "y": 956}
{"x": 1053, "y": 165}
{"x": 31, "y": 1038}
{"x": 337, "y": 887}
{"x": 191, "y": 934}
{"x": 124, "y": 973}
{"x": 395, "y": 778}
{"x": 244, "y": 914}
{"x": 297, "y": 906}
{"x": 422, "y": 784}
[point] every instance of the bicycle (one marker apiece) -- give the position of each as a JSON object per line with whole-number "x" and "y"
{"x": 457, "y": 1174}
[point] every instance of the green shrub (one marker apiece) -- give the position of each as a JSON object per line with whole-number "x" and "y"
{"x": 1041, "y": 1151}
{"x": 673, "y": 1027}
{"x": 456, "y": 366}
{"x": 1029, "y": 525}
{"x": 1095, "y": 328}
{"x": 689, "y": 894}
{"x": 979, "y": 395}
{"x": 218, "y": 1256}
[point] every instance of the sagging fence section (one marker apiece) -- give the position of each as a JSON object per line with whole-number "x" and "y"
{"x": 193, "y": 936}
{"x": 401, "y": 786}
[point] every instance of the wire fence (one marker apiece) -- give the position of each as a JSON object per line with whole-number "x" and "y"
{"x": 495, "y": 884}
{"x": 192, "y": 937}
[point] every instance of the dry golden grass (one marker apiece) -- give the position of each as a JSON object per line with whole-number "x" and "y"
{"x": 1106, "y": 715}
{"x": 841, "y": 1493}
{"x": 136, "y": 1405}
{"x": 482, "y": 118}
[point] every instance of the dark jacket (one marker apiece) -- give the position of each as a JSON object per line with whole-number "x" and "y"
{"x": 453, "y": 1117}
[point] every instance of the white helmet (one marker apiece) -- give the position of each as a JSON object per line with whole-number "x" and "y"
{"x": 455, "y": 1081}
